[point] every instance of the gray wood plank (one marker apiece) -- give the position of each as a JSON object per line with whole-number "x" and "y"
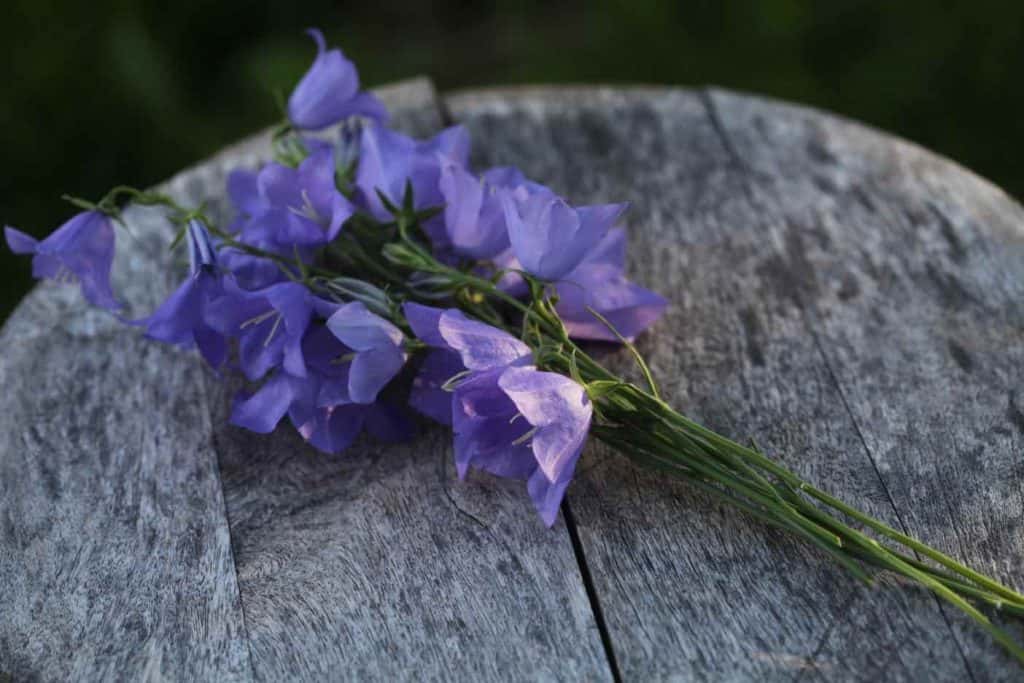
{"x": 926, "y": 256}
{"x": 691, "y": 590}
{"x": 379, "y": 564}
{"x": 115, "y": 558}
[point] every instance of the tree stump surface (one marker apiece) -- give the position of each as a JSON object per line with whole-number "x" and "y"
{"x": 851, "y": 302}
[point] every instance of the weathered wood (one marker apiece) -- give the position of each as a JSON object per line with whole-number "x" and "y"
{"x": 115, "y": 558}
{"x": 825, "y": 303}
{"x": 850, "y": 301}
{"x": 379, "y": 564}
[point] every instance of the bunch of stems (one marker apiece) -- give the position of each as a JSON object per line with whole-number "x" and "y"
{"x": 640, "y": 425}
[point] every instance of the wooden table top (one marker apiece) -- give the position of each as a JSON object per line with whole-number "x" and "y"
{"x": 850, "y": 301}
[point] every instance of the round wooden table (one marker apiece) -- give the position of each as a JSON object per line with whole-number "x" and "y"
{"x": 850, "y": 301}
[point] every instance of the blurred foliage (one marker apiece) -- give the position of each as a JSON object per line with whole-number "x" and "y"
{"x": 115, "y": 91}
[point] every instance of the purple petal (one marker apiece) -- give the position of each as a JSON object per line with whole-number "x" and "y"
{"x": 84, "y": 247}
{"x": 368, "y": 106}
{"x": 485, "y": 431}
{"x": 427, "y": 395}
{"x": 324, "y": 94}
{"x": 560, "y": 410}
{"x": 480, "y": 346}
{"x": 424, "y": 321}
{"x": 243, "y": 189}
{"x": 542, "y": 230}
{"x": 294, "y": 302}
{"x": 175, "y": 319}
{"x": 317, "y": 178}
{"x": 19, "y": 242}
{"x": 473, "y": 215}
{"x": 212, "y": 345}
{"x": 262, "y": 411}
{"x": 549, "y": 237}
{"x": 372, "y": 370}
{"x": 611, "y": 250}
{"x": 627, "y": 306}
{"x": 388, "y": 160}
{"x": 547, "y": 497}
{"x": 361, "y": 330}
{"x": 330, "y": 430}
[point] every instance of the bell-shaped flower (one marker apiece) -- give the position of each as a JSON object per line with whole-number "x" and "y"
{"x": 478, "y": 345}
{"x": 81, "y": 250}
{"x": 428, "y": 394}
{"x": 458, "y": 344}
{"x": 599, "y": 284}
{"x": 295, "y": 207}
{"x": 549, "y": 237}
{"x": 318, "y": 405}
{"x": 378, "y": 348}
{"x": 389, "y": 161}
{"x": 269, "y": 324}
{"x": 474, "y": 218}
{"x": 181, "y": 320}
{"x": 521, "y": 423}
{"x": 509, "y": 418}
{"x": 329, "y": 92}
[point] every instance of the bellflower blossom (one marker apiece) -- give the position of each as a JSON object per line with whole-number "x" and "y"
{"x": 319, "y": 405}
{"x": 549, "y": 237}
{"x": 288, "y": 207}
{"x": 599, "y": 282}
{"x": 329, "y": 92}
{"x": 377, "y": 344}
{"x": 474, "y": 218}
{"x": 285, "y": 211}
{"x": 182, "y": 320}
{"x": 269, "y": 323}
{"x": 389, "y": 160}
{"x": 81, "y": 250}
{"x": 498, "y": 388}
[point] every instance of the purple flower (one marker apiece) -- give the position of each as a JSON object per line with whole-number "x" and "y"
{"x": 478, "y": 345}
{"x": 329, "y": 92}
{"x": 378, "y": 347}
{"x": 318, "y": 404}
{"x": 521, "y": 423}
{"x": 509, "y": 418}
{"x": 428, "y": 395}
{"x": 81, "y": 250}
{"x": 269, "y": 324}
{"x": 600, "y": 283}
{"x": 549, "y": 237}
{"x": 291, "y": 207}
{"x": 182, "y": 319}
{"x": 389, "y": 160}
{"x": 473, "y": 215}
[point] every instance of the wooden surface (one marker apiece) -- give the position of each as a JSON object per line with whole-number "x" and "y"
{"x": 850, "y": 301}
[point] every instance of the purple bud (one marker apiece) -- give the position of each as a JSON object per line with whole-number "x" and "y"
{"x": 329, "y": 92}
{"x": 81, "y": 250}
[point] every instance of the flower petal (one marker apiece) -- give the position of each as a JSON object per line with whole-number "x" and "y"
{"x": 372, "y": 370}
{"x": 262, "y": 411}
{"x": 19, "y": 242}
{"x": 361, "y": 330}
{"x": 558, "y": 407}
{"x": 480, "y": 346}
{"x": 427, "y": 394}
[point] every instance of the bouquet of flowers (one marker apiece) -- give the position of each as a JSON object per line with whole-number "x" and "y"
{"x": 368, "y": 277}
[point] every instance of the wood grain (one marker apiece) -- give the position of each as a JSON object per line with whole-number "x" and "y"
{"x": 115, "y": 558}
{"x": 848, "y": 300}
{"x": 770, "y": 336}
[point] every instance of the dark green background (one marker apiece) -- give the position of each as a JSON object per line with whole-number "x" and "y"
{"x": 107, "y": 92}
